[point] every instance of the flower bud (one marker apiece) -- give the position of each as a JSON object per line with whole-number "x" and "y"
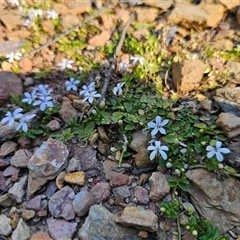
{"x": 168, "y": 165}
{"x": 177, "y": 172}
{"x": 194, "y": 233}
{"x": 102, "y": 104}
{"x": 113, "y": 149}
{"x": 220, "y": 166}
{"x": 120, "y": 121}
{"x": 94, "y": 112}
{"x": 203, "y": 143}
{"x": 163, "y": 209}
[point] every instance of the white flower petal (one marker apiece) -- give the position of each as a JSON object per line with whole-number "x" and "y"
{"x": 163, "y": 154}
{"x": 218, "y": 144}
{"x": 211, "y": 154}
{"x": 162, "y": 130}
{"x": 219, "y": 156}
{"x": 154, "y": 132}
{"x": 224, "y": 150}
{"x": 153, "y": 155}
{"x": 210, "y": 148}
{"x": 158, "y": 120}
{"x": 152, "y": 125}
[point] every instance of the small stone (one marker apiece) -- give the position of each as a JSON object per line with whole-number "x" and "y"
{"x": 28, "y": 214}
{"x": 82, "y": 202}
{"x": 21, "y": 158}
{"x": 159, "y": 186}
{"x": 101, "y": 192}
{"x": 60, "y": 179}
{"x": 73, "y": 165}
{"x": 6, "y": 66}
{"x": 140, "y": 219}
{"x": 206, "y": 104}
{"x": 141, "y": 194}
{"x": 3, "y": 164}
{"x": 7, "y": 200}
{"x": 5, "y": 226}
{"x": 46, "y": 163}
{"x": 102, "y": 134}
{"x": 78, "y": 178}
{"x": 68, "y": 21}
{"x": 143, "y": 179}
{"x": 42, "y": 213}
{"x": 61, "y": 203}
{"x": 146, "y": 14}
{"x": 22, "y": 231}
{"x": 25, "y": 64}
{"x": 192, "y": 73}
{"x": 2, "y": 181}
{"x": 40, "y": 236}
{"x": 100, "y": 224}
{"x": 18, "y": 189}
{"x": 7, "y": 148}
{"x": 139, "y": 139}
{"x": 10, "y": 171}
{"x": 99, "y": 40}
{"x": 67, "y": 112}
{"x": 142, "y": 159}
{"x": 53, "y": 125}
{"x": 87, "y": 158}
{"x": 61, "y": 229}
{"x": 122, "y": 192}
{"x": 9, "y": 83}
{"x": 143, "y": 234}
{"x": 107, "y": 169}
{"x": 35, "y": 203}
{"x": 28, "y": 81}
{"x": 229, "y": 123}
{"x": 119, "y": 179}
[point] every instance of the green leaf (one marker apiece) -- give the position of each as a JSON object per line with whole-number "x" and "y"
{"x": 230, "y": 169}
{"x": 200, "y": 125}
{"x": 130, "y": 126}
{"x": 128, "y": 106}
{"x": 170, "y": 138}
{"x": 116, "y": 116}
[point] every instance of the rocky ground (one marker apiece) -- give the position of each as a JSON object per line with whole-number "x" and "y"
{"x": 73, "y": 189}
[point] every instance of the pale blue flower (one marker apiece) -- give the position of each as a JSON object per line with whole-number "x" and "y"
{"x": 13, "y": 56}
{"x": 43, "y": 91}
{"x": 90, "y": 95}
{"x": 123, "y": 66}
{"x": 88, "y": 89}
{"x": 10, "y": 117}
{"x": 157, "y": 149}
{"x": 217, "y": 150}
{"x": 158, "y": 126}
{"x": 71, "y": 84}
{"x": 29, "y": 97}
{"x": 23, "y": 124}
{"x": 117, "y": 91}
{"x": 136, "y": 59}
{"x": 51, "y": 14}
{"x": 34, "y": 13}
{"x": 65, "y": 64}
{"x": 44, "y": 102}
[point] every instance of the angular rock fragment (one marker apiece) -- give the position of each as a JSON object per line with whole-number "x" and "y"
{"x": 216, "y": 200}
{"x": 46, "y": 163}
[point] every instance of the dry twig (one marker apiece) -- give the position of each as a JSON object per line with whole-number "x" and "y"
{"x": 75, "y": 27}
{"x": 113, "y": 64}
